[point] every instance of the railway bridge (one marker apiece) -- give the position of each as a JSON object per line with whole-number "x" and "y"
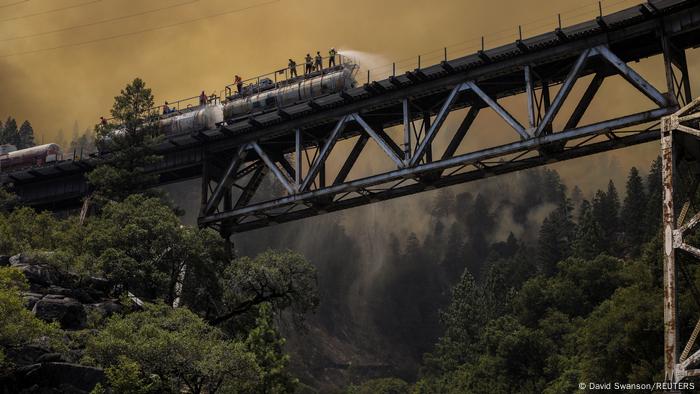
{"x": 404, "y": 114}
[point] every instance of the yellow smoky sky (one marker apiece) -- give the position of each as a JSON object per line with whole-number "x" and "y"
{"x": 64, "y": 66}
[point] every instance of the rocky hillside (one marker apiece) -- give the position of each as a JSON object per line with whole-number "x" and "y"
{"x": 74, "y": 303}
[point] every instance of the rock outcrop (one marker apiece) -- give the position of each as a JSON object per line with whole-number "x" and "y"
{"x": 63, "y": 297}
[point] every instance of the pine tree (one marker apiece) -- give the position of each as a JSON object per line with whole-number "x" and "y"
{"x": 26, "y": 136}
{"x": 9, "y": 132}
{"x": 125, "y": 174}
{"x": 268, "y": 346}
{"x": 61, "y": 139}
{"x": 654, "y": 199}
{"x": 606, "y": 208}
{"x": 590, "y": 240}
{"x": 555, "y": 240}
{"x": 632, "y": 212}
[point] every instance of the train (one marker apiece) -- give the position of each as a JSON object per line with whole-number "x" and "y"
{"x": 13, "y": 159}
{"x": 262, "y": 96}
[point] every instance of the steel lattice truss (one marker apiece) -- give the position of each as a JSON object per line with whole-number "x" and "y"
{"x": 229, "y": 191}
{"x": 680, "y": 149}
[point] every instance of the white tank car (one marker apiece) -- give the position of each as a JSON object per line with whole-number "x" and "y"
{"x": 187, "y": 121}
{"x": 196, "y": 119}
{"x": 296, "y": 91}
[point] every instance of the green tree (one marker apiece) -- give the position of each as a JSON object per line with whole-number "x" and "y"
{"x": 590, "y": 239}
{"x": 9, "y": 132}
{"x": 282, "y": 279}
{"x": 25, "y": 136}
{"x": 632, "y": 212}
{"x": 135, "y": 129}
{"x": 606, "y": 211}
{"x": 380, "y": 386}
{"x": 266, "y": 343}
{"x": 140, "y": 244}
{"x": 652, "y": 213}
{"x": 463, "y": 321}
{"x": 555, "y": 238}
{"x": 17, "y": 324}
{"x": 176, "y": 346}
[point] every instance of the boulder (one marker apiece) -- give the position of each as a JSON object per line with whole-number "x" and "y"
{"x": 70, "y": 378}
{"x": 25, "y": 355}
{"x": 106, "y": 308}
{"x": 41, "y": 274}
{"x": 67, "y": 311}
{"x": 100, "y": 285}
{"x": 31, "y": 298}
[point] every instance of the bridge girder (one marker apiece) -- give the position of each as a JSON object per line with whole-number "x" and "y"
{"x": 306, "y": 192}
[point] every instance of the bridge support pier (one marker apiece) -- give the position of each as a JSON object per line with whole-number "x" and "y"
{"x": 680, "y": 145}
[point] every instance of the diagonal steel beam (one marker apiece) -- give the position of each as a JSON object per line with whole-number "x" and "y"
{"x": 352, "y": 158}
{"x": 631, "y": 76}
{"x": 690, "y": 224}
{"x": 461, "y": 132}
{"x": 585, "y": 101}
{"x": 287, "y": 167}
{"x": 297, "y": 156}
{"x": 252, "y": 186}
{"x": 530, "y": 92}
{"x": 563, "y": 92}
{"x": 485, "y": 154}
{"x": 406, "y": 131}
{"x": 499, "y": 110}
{"x": 273, "y": 167}
{"x": 325, "y": 151}
{"x": 227, "y": 179}
{"x": 439, "y": 120}
{"x": 379, "y": 140}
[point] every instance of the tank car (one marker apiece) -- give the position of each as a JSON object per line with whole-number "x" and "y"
{"x": 290, "y": 92}
{"x": 203, "y": 117}
{"x": 12, "y": 159}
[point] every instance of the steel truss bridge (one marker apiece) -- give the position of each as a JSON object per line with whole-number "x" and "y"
{"x": 292, "y": 145}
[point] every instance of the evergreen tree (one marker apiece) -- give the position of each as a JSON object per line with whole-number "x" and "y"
{"x": 654, "y": 199}
{"x": 632, "y": 212}
{"x": 61, "y": 139}
{"x": 125, "y": 173}
{"x": 26, "y": 136}
{"x": 265, "y": 342}
{"x": 556, "y": 236}
{"x": 589, "y": 237}
{"x": 606, "y": 208}
{"x": 9, "y": 132}
{"x": 76, "y": 132}
{"x": 463, "y": 320}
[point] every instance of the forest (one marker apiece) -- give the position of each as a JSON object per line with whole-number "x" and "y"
{"x": 566, "y": 290}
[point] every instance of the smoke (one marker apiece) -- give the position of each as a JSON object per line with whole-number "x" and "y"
{"x": 366, "y": 60}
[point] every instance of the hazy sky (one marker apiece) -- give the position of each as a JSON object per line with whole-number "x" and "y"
{"x": 201, "y": 44}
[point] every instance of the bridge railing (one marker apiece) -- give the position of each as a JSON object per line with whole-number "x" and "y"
{"x": 282, "y": 77}
{"x": 494, "y": 39}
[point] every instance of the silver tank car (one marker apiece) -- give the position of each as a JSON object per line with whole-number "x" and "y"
{"x": 197, "y": 119}
{"x": 296, "y": 91}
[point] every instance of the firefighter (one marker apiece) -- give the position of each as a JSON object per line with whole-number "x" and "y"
{"x": 103, "y": 121}
{"x": 331, "y": 58}
{"x": 166, "y": 109}
{"x": 292, "y": 68}
{"x": 309, "y": 65}
{"x": 239, "y": 83}
{"x": 203, "y": 98}
{"x": 318, "y": 62}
